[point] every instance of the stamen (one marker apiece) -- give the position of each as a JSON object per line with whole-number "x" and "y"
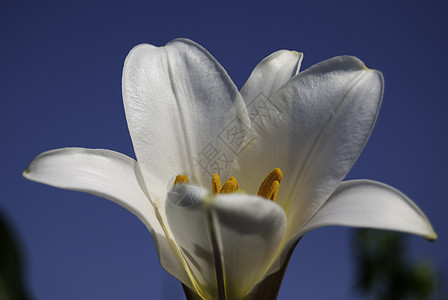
{"x": 268, "y": 188}
{"x": 270, "y": 185}
{"x": 181, "y": 179}
{"x": 216, "y": 184}
{"x": 274, "y": 189}
{"x": 230, "y": 186}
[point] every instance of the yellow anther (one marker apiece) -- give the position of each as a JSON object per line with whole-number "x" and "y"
{"x": 274, "y": 191}
{"x": 268, "y": 188}
{"x": 216, "y": 184}
{"x": 270, "y": 185}
{"x": 181, "y": 179}
{"x": 230, "y": 186}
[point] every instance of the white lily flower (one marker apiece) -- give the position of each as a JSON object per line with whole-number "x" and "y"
{"x": 186, "y": 117}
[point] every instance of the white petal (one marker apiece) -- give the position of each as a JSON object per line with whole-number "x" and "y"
{"x": 104, "y": 173}
{"x": 269, "y": 75}
{"x": 182, "y": 109}
{"x": 313, "y": 129}
{"x": 110, "y": 175}
{"x": 247, "y": 230}
{"x": 188, "y": 219}
{"x": 366, "y": 203}
{"x": 250, "y": 230}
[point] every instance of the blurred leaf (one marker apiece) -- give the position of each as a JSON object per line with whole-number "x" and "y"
{"x": 11, "y": 275}
{"x": 383, "y": 270}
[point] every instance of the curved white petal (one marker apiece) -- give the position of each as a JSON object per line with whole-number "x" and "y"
{"x": 110, "y": 175}
{"x": 366, "y": 203}
{"x": 250, "y": 230}
{"x": 184, "y": 114}
{"x": 188, "y": 219}
{"x": 229, "y": 241}
{"x": 313, "y": 129}
{"x": 104, "y": 173}
{"x": 268, "y": 76}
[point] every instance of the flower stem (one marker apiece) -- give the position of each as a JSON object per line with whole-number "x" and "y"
{"x": 269, "y": 288}
{"x": 190, "y": 294}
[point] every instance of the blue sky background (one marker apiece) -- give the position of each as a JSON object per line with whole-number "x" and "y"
{"x": 60, "y": 85}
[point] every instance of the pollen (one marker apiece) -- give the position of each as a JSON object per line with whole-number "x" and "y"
{"x": 270, "y": 185}
{"x": 181, "y": 179}
{"x": 216, "y": 184}
{"x": 230, "y": 186}
{"x": 268, "y": 188}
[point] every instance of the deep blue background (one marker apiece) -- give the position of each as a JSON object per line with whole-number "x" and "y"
{"x": 60, "y": 85}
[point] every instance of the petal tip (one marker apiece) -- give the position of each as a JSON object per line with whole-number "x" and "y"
{"x": 432, "y": 237}
{"x": 296, "y": 53}
{"x": 365, "y": 68}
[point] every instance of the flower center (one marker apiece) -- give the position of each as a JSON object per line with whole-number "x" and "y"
{"x": 268, "y": 188}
